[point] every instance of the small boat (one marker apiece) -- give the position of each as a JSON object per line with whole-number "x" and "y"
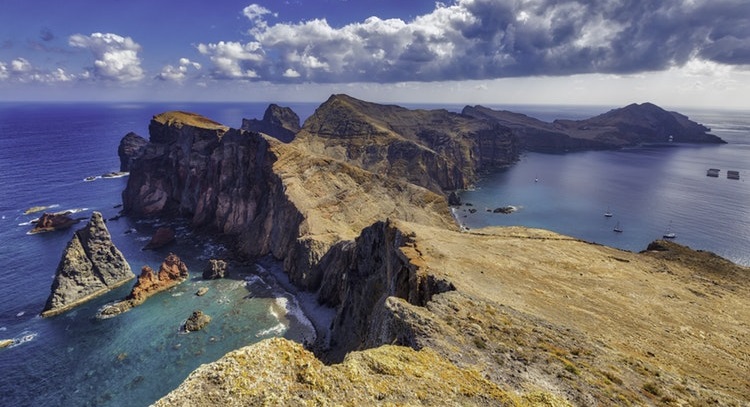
{"x": 608, "y": 214}
{"x": 617, "y": 228}
{"x": 668, "y": 234}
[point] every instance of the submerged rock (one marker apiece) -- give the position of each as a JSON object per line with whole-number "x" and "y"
{"x": 162, "y": 237}
{"x": 197, "y": 321}
{"x": 216, "y": 268}
{"x": 90, "y": 266}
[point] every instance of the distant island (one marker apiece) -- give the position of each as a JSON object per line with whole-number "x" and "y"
{"x": 355, "y": 206}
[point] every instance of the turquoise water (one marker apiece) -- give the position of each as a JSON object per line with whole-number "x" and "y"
{"x": 133, "y": 359}
{"x": 648, "y": 190}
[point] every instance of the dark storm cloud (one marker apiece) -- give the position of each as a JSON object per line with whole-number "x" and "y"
{"x": 486, "y": 39}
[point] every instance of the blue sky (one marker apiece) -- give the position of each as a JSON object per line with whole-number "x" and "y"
{"x": 614, "y": 52}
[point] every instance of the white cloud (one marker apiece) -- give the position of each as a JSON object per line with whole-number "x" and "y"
{"x": 291, "y": 73}
{"x": 115, "y": 57}
{"x": 487, "y": 39}
{"x": 229, "y": 58}
{"x": 21, "y": 70}
{"x": 178, "y": 73}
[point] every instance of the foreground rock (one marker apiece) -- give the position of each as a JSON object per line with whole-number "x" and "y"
{"x": 49, "y": 222}
{"x": 216, "y": 268}
{"x": 197, "y": 321}
{"x": 525, "y": 309}
{"x": 294, "y": 377}
{"x": 279, "y": 122}
{"x": 90, "y": 266}
{"x": 171, "y": 272}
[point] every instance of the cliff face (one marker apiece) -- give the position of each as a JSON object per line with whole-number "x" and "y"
{"x": 131, "y": 147}
{"x": 435, "y": 149}
{"x": 90, "y": 266}
{"x": 628, "y": 126}
{"x": 279, "y": 122}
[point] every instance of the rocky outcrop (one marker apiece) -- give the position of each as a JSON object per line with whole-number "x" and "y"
{"x": 4, "y": 343}
{"x": 162, "y": 237}
{"x": 90, "y": 266}
{"x": 131, "y": 147}
{"x": 628, "y": 126}
{"x": 49, "y": 222}
{"x": 435, "y": 149}
{"x": 279, "y": 122}
{"x": 171, "y": 272}
{"x": 216, "y": 268}
{"x": 294, "y": 377}
{"x": 197, "y": 321}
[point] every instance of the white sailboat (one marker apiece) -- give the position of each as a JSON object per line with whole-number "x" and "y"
{"x": 608, "y": 214}
{"x": 617, "y": 228}
{"x": 668, "y": 234}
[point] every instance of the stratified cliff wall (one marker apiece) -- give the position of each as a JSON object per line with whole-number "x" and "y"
{"x": 436, "y": 149}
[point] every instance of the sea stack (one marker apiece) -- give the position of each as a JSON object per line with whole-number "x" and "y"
{"x": 90, "y": 266}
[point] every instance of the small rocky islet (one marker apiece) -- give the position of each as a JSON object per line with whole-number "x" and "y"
{"x": 357, "y": 207}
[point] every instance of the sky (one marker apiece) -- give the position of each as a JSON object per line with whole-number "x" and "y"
{"x": 678, "y": 53}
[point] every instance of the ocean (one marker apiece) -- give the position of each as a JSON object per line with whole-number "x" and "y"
{"x": 47, "y": 150}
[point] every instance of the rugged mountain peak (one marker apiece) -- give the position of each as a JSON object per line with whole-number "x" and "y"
{"x": 90, "y": 266}
{"x": 279, "y": 122}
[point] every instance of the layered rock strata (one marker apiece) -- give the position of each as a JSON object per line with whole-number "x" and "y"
{"x": 436, "y": 149}
{"x": 90, "y": 266}
{"x": 171, "y": 272}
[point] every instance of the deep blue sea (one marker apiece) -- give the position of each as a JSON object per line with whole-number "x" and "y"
{"x": 46, "y": 151}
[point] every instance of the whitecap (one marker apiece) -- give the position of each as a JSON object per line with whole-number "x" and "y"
{"x": 26, "y": 336}
{"x": 276, "y": 330}
{"x": 177, "y": 294}
{"x": 20, "y": 314}
{"x": 2, "y": 328}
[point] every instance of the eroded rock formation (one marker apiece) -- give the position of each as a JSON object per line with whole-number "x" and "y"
{"x": 216, "y": 268}
{"x": 279, "y": 122}
{"x": 90, "y": 266}
{"x": 197, "y": 321}
{"x": 131, "y": 147}
{"x": 171, "y": 272}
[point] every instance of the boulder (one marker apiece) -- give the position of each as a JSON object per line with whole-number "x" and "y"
{"x": 197, "y": 321}
{"x": 90, "y": 266}
{"x": 201, "y": 291}
{"x": 53, "y": 221}
{"x": 215, "y": 269}
{"x": 131, "y": 147}
{"x": 162, "y": 237}
{"x": 454, "y": 199}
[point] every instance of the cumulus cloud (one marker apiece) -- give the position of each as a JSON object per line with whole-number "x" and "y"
{"x": 115, "y": 57}
{"x": 485, "y": 39}
{"x": 178, "y": 73}
{"x": 21, "y": 70}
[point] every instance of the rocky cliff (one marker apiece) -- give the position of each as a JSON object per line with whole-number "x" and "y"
{"x": 628, "y": 126}
{"x": 90, "y": 266}
{"x": 436, "y": 149}
{"x": 534, "y": 313}
{"x": 279, "y": 122}
{"x": 130, "y": 148}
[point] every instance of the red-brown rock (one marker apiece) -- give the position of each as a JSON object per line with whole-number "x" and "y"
{"x": 53, "y": 221}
